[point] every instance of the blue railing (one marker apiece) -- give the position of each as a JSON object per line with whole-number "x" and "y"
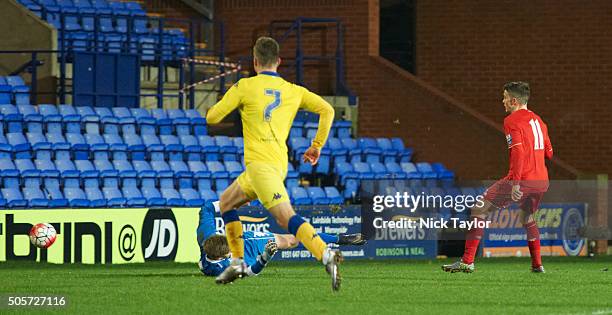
{"x": 160, "y": 54}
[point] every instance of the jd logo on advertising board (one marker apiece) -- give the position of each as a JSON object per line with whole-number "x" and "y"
{"x": 159, "y": 235}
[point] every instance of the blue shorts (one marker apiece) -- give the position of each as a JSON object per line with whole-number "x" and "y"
{"x": 255, "y": 244}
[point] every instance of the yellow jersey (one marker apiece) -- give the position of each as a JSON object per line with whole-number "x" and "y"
{"x": 268, "y": 104}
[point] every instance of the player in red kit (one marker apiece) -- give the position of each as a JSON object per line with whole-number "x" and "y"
{"x": 527, "y": 179}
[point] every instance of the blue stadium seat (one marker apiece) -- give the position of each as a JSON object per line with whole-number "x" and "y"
{"x": 12, "y": 118}
{"x": 210, "y": 149}
{"x": 333, "y": 195}
{"x": 296, "y": 129}
{"x": 343, "y": 128}
{"x": 92, "y": 124}
{"x": 155, "y": 149}
{"x": 104, "y": 112}
{"x": 140, "y": 113}
{"x": 389, "y": 153}
{"x": 317, "y": 195}
{"x": 120, "y": 152}
{"x": 174, "y": 149}
{"x": 426, "y": 171}
{"x": 299, "y": 145}
{"x": 127, "y": 125}
{"x": 347, "y": 178}
{"x": 160, "y": 166}
{"x": 239, "y": 144}
{"x": 379, "y": 170}
{"x": 208, "y": 195}
{"x": 147, "y": 125}
{"x": 31, "y": 189}
{"x": 149, "y": 189}
{"x": 110, "y": 125}
{"x": 70, "y": 118}
{"x": 110, "y": 188}
{"x": 24, "y": 165}
{"x": 395, "y": 170}
{"x": 233, "y": 168}
{"x": 32, "y": 119}
{"x": 363, "y": 170}
{"x": 411, "y": 170}
{"x": 21, "y": 146}
{"x": 130, "y": 190}
{"x": 72, "y": 190}
{"x": 84, "y": 166}
{"x": 51, "y": 183}
{"x": 10, "y": 190}
{"x": 228, "y": 150}
{"x": 168, "y": 190}
{"x": 338, "y": 152}
{"x": 300, "y": 196}
{"x": 404, "y": 154}
{"x": 122, "y": 166}
{"x": 103, "y": 165}
{"x": 141, "y": 166}
{"x": 78, "y": 143}
{"x": 291, "y": 180}
{"x": 6, "y": 164}
{"x": 40, "y": 147}
{"x": 45, "y": 165}
{"x": 65, "y": 166}
{"x": 219, "y": 175}
{"x": 91, "y": 183}
{"x": 188, "y": 193}
{"x": 354, "y": 151}
{"x": 135, "y": 146}
{"x": 202, "y": 176}
{"x": 322, "y": 166}
{"x": 192, "y": 149}
{"x": 179, "y": 167}
{"x": 5, "y": 94}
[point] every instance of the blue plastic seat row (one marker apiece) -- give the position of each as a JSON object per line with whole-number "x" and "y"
{"x": 315, "y": 196}
{"x": 13, "y": 90}
{"x": 66, "y": 118}
{"x": 131, "y": 146}
{"x": 98, "y": 189}
{"x": 308, "y": 129}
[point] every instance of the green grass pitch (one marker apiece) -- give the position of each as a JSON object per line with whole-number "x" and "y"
{"x": 499, "y": 286}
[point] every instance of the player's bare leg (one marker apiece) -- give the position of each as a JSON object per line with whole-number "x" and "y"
{"x": 306, "y": 234}
{"x": 466, "y": 264}
{"x": 533, "y": 240}
{"x": 231, "y": 199}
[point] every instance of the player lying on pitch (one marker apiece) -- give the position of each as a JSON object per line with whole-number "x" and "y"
{"x": 259, "y": 247}
{"x": 527, "y": 179}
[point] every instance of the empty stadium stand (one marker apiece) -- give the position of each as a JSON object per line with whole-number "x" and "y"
{"x": 81, "y": 156}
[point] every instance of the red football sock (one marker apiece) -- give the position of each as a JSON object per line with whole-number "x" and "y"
{"x": 471, "y": 243}
{"x": 533, "y": 241}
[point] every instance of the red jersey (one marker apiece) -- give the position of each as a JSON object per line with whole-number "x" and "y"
{"x": 529, "y": 144}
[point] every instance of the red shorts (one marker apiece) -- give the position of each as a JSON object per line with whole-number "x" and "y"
{"x": 500, "y": 195}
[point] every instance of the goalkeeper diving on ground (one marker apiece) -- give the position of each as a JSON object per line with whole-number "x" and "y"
{"x": 259, "y": 247}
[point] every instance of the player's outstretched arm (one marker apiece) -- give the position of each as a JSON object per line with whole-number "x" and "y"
{"x": 316, "y": 104}
{"x": 230, "y": 101}
{"x": 206, "y": 226}
{"x": 263, "y": 259}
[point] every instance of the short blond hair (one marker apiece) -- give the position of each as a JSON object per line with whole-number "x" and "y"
{"x": 266, "y": 51}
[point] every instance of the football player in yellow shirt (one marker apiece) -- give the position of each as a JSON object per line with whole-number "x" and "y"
{"x": 268, "y": 104}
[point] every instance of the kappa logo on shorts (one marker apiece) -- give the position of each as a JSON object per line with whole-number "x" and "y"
{"x": 277, "y": 196}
